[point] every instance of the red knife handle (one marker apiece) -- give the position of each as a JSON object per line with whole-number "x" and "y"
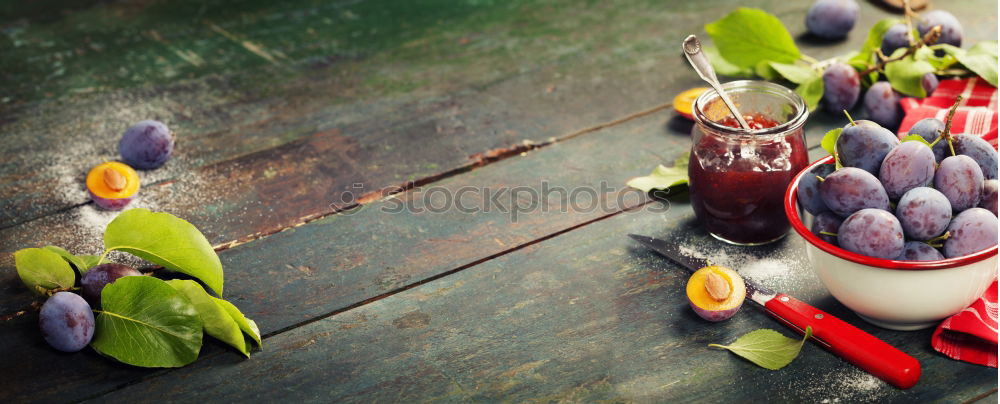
{"x": 850, "y": 343}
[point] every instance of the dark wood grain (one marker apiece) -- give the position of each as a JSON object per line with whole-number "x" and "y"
{"x": 271, "y": 145}
{"x": 416, "y": 101}
{"x": 586, "y": 316}
{"x": 330, "y": 264}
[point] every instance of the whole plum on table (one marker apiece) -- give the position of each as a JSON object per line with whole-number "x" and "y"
{"x": 832, "y": 19}
{"x": 864, "y": 144}
{"x": 972, "y": 230}
{"x": 98, "y": 277}
{"x": 960, "y": 179}
{"x": 67, "y": 322}
{"x": 906, "y": 167}
{"x": 924, "y": 213}
{"x": 851, "y": 189}
{"x": 872, "y": 232}
{"x": 841, "y": 86}
{"x": 146, "y": 145}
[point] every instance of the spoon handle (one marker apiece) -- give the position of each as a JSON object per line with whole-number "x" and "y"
{"x": 698, "y": 60}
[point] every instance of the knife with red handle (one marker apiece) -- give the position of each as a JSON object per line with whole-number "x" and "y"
{"x": 847, "y": 341}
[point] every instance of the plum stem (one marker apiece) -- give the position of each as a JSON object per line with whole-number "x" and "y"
{"x": 850, "y": 119}
{"x": 946, "y": 133}
{"x": 821, "y": 179}
{"x": 936, "y": 242}
{"x": 930, "y": 38}
{"x": 827, "y": 233}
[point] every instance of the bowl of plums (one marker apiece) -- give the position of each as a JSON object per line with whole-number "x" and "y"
{"x": 902, "y": 232}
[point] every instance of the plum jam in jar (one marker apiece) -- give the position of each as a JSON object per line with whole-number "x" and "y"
{"x": 738, "y": 177}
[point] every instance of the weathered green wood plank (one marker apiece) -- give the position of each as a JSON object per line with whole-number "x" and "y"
{"x": 290, "y": 277}
{"x": 470, "y": 80}
{"x": 586, "y": 316}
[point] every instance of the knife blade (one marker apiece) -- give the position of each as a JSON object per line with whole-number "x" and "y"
{"x": 850, "y": 343}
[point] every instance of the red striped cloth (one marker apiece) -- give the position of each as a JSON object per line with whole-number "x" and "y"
{"x": 970, "y": 335}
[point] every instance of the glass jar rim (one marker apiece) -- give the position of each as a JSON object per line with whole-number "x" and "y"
{"x": 731, "y": 87}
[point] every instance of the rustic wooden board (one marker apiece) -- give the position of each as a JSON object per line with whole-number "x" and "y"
{"x": 586, "y": 316}
{"x": 460, "y": 80}
{"x": 238, "y": 199}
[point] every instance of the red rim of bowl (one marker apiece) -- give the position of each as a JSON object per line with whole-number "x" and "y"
{"x": 792, "y": 212}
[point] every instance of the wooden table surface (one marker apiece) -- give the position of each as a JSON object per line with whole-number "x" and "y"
{"x": 296, "y": 119}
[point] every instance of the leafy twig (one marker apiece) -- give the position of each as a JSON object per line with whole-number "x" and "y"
{"x": 930, "y": 38}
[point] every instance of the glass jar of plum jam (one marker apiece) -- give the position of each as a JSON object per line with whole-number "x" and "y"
{"x": 738, "y": 178}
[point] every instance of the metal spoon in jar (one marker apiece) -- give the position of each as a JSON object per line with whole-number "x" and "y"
{"x": 698, "y": 60}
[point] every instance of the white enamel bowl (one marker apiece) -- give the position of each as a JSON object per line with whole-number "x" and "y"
{"x": 899, "y": 295}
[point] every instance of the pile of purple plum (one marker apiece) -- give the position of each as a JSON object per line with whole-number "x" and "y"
{"x": 911, "y": 200}
{"x": 66, "y": 319}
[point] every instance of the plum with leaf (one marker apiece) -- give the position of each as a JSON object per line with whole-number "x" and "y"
{"x": 66, "y": 322}
{"x": 897, "y": 36}
{"x": 930, "y": 129}
{"x": 94, "y": 281}
{"x": 832, "y": 19}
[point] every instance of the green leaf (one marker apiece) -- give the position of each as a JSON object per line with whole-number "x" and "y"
{"x": 765, "y": 71}
{"x": 811, "y": 91}
{"x": 166, "y": 240}
{"x": 915, "y": 138}
{"x": 797, "y": 74}
{"x": 748, "y": 36}
{"x": 42, "y": 270}
{"x": 767, "y": 348}
{"x": 145, "y": 322}
{"x": 82, "y": 263}
{"x": 829, "y": 142}
{"x": 247, "y": 325}
{"x": 874, "y": 39}
{"x": 661, "y": 178}
{"x": 982, "y": 60}
{"x": 930, "y": 56}
{"x": 905, "y": 75}
{"x": 217, "y": 321}
{"x": 723, "y": 66}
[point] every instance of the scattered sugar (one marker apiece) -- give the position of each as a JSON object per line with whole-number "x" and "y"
{"x": 847, "y": 385}
{"x": 783, "y": 269}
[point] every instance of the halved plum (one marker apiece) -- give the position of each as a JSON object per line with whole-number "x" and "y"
{"x": 716, "y": 293}
{"x": 112, "y": 185}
